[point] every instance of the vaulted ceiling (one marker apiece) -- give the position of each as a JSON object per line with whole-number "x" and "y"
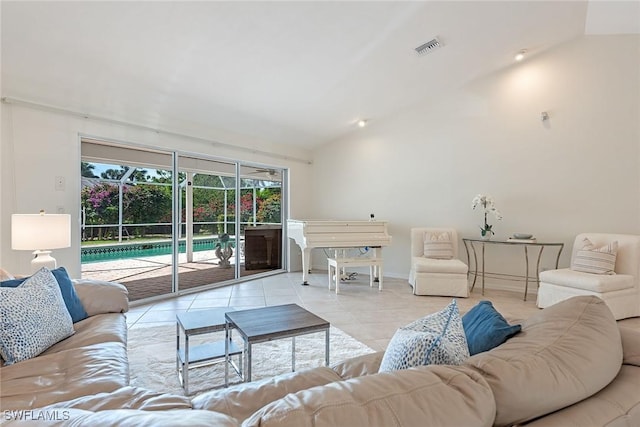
{"x": 288, "y": 72}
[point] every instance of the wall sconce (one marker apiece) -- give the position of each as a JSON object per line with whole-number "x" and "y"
{"x": 544, "y": 116}
{"x": 40, "y": 233}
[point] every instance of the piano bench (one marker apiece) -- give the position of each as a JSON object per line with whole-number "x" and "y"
{"x": 336, "y": 264}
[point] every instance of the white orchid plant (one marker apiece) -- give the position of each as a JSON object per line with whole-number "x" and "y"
{"x": 488, "y": 205}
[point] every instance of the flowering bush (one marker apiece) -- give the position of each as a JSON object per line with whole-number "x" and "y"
{"x": 269, "y": 210}
{"x": 101, "y": 203}
{"x": 488, "y": 205}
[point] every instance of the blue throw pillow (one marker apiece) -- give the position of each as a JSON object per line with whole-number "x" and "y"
{"x": 71, "y": 300}
{"x": 485, "y": 328}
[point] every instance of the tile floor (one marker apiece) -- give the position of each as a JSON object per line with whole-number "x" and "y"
{"x": 368, "y": 315}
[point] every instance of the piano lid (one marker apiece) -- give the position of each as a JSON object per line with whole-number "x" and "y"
{"x": 332, "y": 222}
{"x": 338, "y": 233}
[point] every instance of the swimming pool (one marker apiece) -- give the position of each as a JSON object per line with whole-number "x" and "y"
{"x": 117, "y": 251}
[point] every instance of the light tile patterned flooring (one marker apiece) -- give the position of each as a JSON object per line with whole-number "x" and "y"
{"x": 368, "y": 315}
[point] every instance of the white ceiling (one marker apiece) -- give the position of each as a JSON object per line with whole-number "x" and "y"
{"x": 289, "y": 72}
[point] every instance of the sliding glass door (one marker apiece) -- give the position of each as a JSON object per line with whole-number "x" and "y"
{"x": 164, "y": 222}
{"x": 126, "y": 217}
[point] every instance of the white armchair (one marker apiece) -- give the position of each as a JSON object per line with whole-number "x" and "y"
{"x": 432, "y": 276}
{"x": 620, "y": 291}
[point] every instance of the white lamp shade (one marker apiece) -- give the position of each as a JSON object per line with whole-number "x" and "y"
{"x": 40, "y": 231}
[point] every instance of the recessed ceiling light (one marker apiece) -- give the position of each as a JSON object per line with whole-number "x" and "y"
{"x": 520, "y": 55}
{"x": 362, "y": 123}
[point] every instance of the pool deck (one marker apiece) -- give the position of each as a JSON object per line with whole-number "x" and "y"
{"x": 147, "y": 277}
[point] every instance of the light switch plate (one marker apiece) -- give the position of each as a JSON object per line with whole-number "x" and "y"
{"x": 60, "y": 183}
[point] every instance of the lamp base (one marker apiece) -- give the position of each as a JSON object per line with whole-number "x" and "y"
{"x": 43, "y": 259}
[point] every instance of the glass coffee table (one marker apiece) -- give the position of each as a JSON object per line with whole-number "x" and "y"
{"x": 190, "y": 356}
{"x": 270, "y": 323}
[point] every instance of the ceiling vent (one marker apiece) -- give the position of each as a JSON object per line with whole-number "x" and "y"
{"x": 429, "y": 46}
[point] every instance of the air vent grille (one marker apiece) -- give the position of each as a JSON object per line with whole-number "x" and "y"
{"x": 429, "y": 46}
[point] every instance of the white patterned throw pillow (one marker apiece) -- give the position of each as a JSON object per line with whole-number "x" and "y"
{"x": 438, "y": 245}
{"x": 437, "y": 339}
{"x": 594, "y": 260}
{"x": 33, "y": 317}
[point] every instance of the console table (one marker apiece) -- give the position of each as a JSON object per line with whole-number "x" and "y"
{"x": 482, "y": 243}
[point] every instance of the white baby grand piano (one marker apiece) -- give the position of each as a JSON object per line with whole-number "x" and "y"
{"x": 309, "y": 234}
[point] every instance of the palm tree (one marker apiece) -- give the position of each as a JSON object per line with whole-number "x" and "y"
{"x": 86, "y": 170}
{"x": 113, "y": 173}
{"x": 139, "y": 175}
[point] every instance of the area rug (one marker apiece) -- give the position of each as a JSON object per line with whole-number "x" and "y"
{"x": 152, "y": 358}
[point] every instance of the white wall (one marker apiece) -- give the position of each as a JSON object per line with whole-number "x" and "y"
{"x": 578, "y": 172}
{"x": 39, "y": 145}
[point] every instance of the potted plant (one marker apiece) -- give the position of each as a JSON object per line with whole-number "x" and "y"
{"x": 488, "y": 205}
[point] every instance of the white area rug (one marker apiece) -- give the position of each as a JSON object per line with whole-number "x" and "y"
{"x": 152, "y": 358}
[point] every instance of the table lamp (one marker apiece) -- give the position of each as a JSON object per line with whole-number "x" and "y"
{"x": 40, "y": 232}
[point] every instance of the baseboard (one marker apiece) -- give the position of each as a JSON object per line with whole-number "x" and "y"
{"x": 498, "y": 281}
{"x": 394, "y": 275}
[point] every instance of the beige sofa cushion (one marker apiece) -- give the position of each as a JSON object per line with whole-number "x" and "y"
{"x": 614, "y": 406}
{"x": 99, "y": 297}
{"x": 630, "y": 345}
{"x": 64, "y": 375}
{"x": 129, "y": 418}
{"x": 241, "y": 401}
{"x": 126, "y": 398}
{"x": 565, "y": 353}
{"x": 366, "y": 364}
{"x": 427, "y": 395}
{"x": 5, "y": 275}
{"x": 110, "y": 327}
